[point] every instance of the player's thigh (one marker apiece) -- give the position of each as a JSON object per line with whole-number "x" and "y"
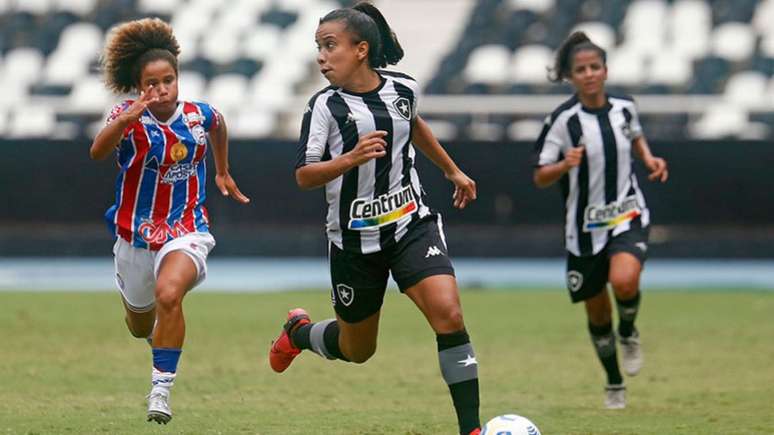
{"x": 134, "y": 278}
{"x": 586, "y": 276}
{"x": 358, "y": 283}
{"x": 357, "y": 341}
{"x": 438, "y": 298}
{"x": 180, "y": 265}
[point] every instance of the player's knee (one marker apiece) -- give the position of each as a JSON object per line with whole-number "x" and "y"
{"x": 624, "y": 285}
{"x": 449, "y": 320}
{"x": 361, "y": 354}
{"x": 168, "y": 296}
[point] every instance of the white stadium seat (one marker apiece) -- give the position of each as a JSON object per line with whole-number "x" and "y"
{"x": 747, "y": 90}
{"x": 23, "y": 65}
{"x": 32, "y": 122}
{"x": 227, "y": 91}
{"x": 530, "y": 63}
{"x": 600, "y": 33}
{"x": 14, "y": 92}
{"x": 727, "y": 120}
{"x": 252, "y": 123}
{"x": 690, "y": 25}
{"x": 81, "y": 40}
{"x": 158, "y": 6}
{"x": 626, "y": 67}
{"x": 260, "y": 42}
{"x": 767, "y": 46}
{"x": 221, "y": 46}
{"x": 3, "y": 122}
{"x": 537, "y": 6}
{"x": 764, "y": 17}
{"x": 77, "y": 7}
{"x": 36, "y": 7}
{"x": 645, "y": 26}
{"x": 670, "y": 68}
{"x": 525, "y": 129}
{"x": 770, "y": 94}
{"x": 733, "y": 41}
{"x": 64, "y": 69}
{"x": 489, "y": 64}
{"x": 89, "y": 95}
{"x": 191, "y": 85}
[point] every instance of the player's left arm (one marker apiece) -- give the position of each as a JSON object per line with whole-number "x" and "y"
{"x": 656, "y": 165}
{"x": 464, "y": 187}
{"x": 219, "y": 140}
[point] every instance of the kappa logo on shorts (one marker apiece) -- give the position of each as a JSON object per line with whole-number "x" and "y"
{"x": 574, "y": 280}
{"x": 642, "y": 246}
{"x": 346, "y": 294}
{"x": 433, "y": 251}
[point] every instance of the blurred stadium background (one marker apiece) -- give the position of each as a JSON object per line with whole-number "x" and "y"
{"x": 701, "y": 72}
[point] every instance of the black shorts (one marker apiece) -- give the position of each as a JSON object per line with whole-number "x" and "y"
{"x": 587, "y": 276}
{"x": 360, "y": 280}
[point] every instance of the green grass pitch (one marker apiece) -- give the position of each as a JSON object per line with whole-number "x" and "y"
{"x": 69, "y": 366}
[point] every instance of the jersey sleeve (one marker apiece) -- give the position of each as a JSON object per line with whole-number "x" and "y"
{"x": 315, "y": 129}
{"x": 633, "y": 120}
{"x": 550, "y": 143}
{"x": 210, "y": 115}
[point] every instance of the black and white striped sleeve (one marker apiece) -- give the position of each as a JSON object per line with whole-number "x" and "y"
{"x": 635, "y": 128}
{"x": 315, "y": 129}
{"x": 553, "y": 138}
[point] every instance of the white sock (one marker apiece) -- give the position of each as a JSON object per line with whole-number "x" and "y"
{"x": 162, "y": 380}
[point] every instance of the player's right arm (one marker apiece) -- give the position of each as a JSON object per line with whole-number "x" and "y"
{"x": 108, "y": 138}
{"x": 547, "y": 175}
{"x": 370, "y": 146}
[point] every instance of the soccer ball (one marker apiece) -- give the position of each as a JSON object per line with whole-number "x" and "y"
{"x": 510, "y": 424}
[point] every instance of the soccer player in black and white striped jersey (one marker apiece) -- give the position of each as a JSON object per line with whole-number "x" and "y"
{"x": 357, "y": 140}
{"x": 586, "y": 145}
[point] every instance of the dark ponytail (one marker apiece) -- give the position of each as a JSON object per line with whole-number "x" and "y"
{"x": 577, "y": 41}
{"x": 368, "y": 24}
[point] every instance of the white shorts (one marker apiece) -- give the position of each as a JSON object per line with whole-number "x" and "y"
{"x": 138, "y": 268}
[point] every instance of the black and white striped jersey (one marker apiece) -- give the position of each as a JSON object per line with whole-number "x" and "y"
{"x": 602, "y": 197}
{"x": 372, "y": 206}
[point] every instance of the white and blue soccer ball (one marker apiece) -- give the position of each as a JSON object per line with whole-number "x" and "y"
{"x": 510, "y": 424}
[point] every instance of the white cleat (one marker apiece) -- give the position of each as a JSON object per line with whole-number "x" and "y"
{"x": 158, "y": 406}
{"x": 615, "y": 396}
{"x": 631, "y": 357}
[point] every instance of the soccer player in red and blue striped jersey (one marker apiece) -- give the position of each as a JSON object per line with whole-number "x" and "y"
{"x": 159, "y": 219}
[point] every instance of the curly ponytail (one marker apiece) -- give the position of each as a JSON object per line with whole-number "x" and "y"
{"x": 132, "y": 45}
{"x": 369, "y": 25}
{"x": 577, "y": 41}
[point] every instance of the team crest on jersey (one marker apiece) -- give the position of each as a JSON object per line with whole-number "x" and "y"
{"x": 200, "y": 136}
{"x": 403, "y": 106}
{"x": 626, "y": 129}
{"x": 151, "y": 232}
{"x": 574, "y": 280}
{"x": 346, "y": 294}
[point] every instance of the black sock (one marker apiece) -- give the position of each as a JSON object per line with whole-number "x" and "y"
{"x": 460, "y": 371}
{"x": 627, "y": 313}
{"x": 604, "y": 343}
{"x": 321, "y": 338}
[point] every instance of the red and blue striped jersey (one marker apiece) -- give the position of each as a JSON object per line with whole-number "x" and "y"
{"x": 162, "y": 174}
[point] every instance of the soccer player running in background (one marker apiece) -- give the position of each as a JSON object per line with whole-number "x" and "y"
{"x": 159, "y": 218}
{"x": 586, "y": 145}
{"x": 356, "y": 140}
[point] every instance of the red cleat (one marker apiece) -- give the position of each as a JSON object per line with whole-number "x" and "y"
{"x": 282, "y": 349}
{"x": 476, "y": 431}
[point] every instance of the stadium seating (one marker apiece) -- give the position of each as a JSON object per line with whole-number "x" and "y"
{"x": 254, "y": 59}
